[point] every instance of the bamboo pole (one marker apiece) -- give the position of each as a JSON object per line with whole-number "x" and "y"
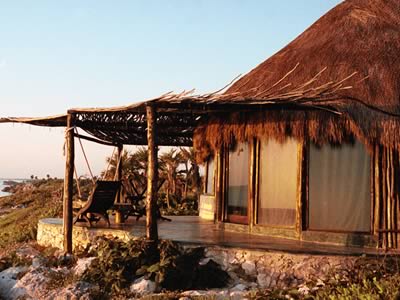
{"x": 384, "y": 197}
{"x": 396, "y": 200}
{"x": 257, "y": 181}
{"x": 390, "y": 196}
{"x": 119, "y": 170}
{"x": 300, "y": 187}
{"x": 252, "y": 184}
{"x": 378, "y": 205}
{"x": 152, "y": 174}
{"x": 218, "y": 180}
{"x": 68, "y": 184}
{"x": 372, "y": 190}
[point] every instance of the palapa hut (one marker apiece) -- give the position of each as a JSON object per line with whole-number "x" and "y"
{"x": 305, "y": 146}
{"x": 317, "y": 173}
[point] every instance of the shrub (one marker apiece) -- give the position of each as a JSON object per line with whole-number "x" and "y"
{"x": 119, "y": 263}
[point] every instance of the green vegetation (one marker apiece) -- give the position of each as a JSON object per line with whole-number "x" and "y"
{"x": 21, "y": 211}
{"x": 372, "y": 278}
{"x": 178, "y": 171}
{"x": 172, "y": 268}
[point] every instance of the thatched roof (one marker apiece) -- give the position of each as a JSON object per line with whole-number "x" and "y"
{"x": 51, "y": 121}
{"x": 178, "y": 115}
{"x": 356, "y": 37}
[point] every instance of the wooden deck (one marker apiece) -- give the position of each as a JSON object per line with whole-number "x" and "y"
{"x": 195, "y": 231}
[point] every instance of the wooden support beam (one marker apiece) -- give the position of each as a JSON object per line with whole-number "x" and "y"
{"x": 252, "y": 205}
{"x": 152, "y": 174}
{"x": 88, "y": 138}
{"x": 68, "y": 184}
{"x": 119, "y": 170}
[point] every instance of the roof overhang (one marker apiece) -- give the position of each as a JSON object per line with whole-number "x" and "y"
{"x": 179, "y": 114}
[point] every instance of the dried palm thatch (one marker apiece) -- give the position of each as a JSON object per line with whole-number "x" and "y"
{"x": 356, "y": 43}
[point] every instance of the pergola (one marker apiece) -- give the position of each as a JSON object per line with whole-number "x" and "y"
{"x": 170, "y": 120}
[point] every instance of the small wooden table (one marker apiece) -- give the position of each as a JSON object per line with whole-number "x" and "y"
{"x": 122, "y": 211}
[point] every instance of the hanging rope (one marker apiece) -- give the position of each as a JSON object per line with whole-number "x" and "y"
{"x": 118, "y": 164}
{"x": 109, "y": 164}
{"x": 77, "y": 183}
{"x": 84, "y": 155}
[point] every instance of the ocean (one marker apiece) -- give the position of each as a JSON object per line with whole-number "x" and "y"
{"x": 2, "y": 186}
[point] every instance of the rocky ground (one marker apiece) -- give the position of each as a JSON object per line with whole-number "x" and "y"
{"x": 28, "y": 271}
{"x": 34, "y": 272}
{"x": 56, "y": 276}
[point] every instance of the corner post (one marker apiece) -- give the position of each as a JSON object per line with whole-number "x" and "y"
{"x": 152, "y": 175}
{"x": 68, "y": 183}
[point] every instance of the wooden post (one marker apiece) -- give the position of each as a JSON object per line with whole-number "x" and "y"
{"x": 68, "y": 183}
{"x": 251, "y": 196}
{"x": 118, "y": 176}
{"x": 119, "y": 170}
{"x": 152, "y": 174}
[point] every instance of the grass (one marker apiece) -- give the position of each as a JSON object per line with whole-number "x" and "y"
{"x": 23, "y": 209}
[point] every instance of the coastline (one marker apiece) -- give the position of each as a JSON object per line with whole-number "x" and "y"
{"x": 4, "y": 183}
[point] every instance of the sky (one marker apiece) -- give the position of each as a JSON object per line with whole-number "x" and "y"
{"x": 56, "y": 55}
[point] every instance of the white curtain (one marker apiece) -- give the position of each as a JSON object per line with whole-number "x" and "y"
{"x": 238, "y": 180}
{"x": 339, "y": 188}
{"x": 278, "y": 182}
{"x": 210, "y": 177}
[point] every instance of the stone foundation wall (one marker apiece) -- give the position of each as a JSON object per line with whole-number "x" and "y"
{"x": 283, "y": 270}
{"x": 207, "y": 207}
{"x": 50, "y": 233}
{"x": 249, "y": 268}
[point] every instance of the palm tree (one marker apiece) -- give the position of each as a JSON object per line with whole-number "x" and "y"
{"x": 138, "y": 170}
{"x": 169, "y": 163}
{"x": 192, "y": 177}
{"x": 112, "y": 162}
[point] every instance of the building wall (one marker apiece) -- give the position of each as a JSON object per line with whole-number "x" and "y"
{"x": 379, "y": 193}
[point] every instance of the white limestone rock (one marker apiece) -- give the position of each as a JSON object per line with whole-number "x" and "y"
{"x": 239, "y": 287}
{"x": 142, "y": 286}
{"x": 195, "y": 293}
{"x": 264, "y": 280}
{"x": 204, "y": 261}
{"x": 34, "y": 282}
{"x": 237, "y": 295}
{"x": 27, "y": 252}
{"x": 38, "y": 262}
{"x": 221, "y": 295}
{"x": 82, "y": 265}
{"x": 249, "y": 267}
{"x": 8, "y": 281}
{"x": 81, "y": 290}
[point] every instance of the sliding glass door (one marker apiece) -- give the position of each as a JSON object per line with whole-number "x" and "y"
{"x": 238, "y": 184}
{"x": 278, "y": 183}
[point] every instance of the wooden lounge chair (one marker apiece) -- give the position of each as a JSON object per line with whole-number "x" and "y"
{"x": 101, "y": 199}
{"x": 136, "y": 198}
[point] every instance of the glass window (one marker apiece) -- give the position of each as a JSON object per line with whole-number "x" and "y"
{"x": 339, "y": 188}
{"x": 278, "y": 183}
{"x": 210, "y": 177}
{"x": 238, "y": 181}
